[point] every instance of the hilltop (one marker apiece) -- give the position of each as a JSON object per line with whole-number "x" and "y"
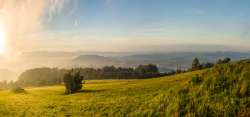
{"x": 93, "y": 60}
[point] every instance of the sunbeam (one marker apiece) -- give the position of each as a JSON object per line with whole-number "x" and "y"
{"x": 2, "y": 36}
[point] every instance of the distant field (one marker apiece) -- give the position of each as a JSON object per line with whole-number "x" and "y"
{"x": 97, "y": 98}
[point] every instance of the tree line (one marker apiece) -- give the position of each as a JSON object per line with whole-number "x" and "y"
{"x": 197, "y": 66}
{"x": 111, "y": 72}
{"x": 36, "y": 77}
{"x": 73, "y": 81}
{"x": 54, "y": 76}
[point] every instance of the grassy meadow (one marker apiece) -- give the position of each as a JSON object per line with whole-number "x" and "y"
{"x": 97, "y": 98}
{"x": 223, "y": 90}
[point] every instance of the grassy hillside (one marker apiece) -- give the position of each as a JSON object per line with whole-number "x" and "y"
{"x": 223, "y": 91}
{"x": 100, "y": 97}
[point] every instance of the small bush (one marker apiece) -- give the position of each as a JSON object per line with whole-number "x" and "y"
{"x": 196, "y": 80}
{"x": 18, "y": 90}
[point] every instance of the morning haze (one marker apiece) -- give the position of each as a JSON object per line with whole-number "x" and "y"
{"x": 125, "y": 43}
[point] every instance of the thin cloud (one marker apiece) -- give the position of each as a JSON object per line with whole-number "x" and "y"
{"x": 75, "y": 23}
{"x": 56, "y": 7}
{"x": 52, "y": 8}
{"x": 195, "y": 11}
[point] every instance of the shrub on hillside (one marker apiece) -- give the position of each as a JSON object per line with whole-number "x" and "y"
{"x": 18, "y": 90}
{"x": 196, "y": 80}
{"x": 73, "y": 81}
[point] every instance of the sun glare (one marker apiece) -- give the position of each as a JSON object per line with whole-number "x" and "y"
{"x": 2, "y": 36}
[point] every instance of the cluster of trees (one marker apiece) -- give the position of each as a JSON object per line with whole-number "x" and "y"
{"x": 111, "y": 72}
{"x": 8, "y": 85}
{"x": 73, "y": 80}
{"x": 41, "y": 77}
{"x": 54, "y": 76}
{"x": 173, "y": 72}
{"x": 26, "y": 83}
{"x": 197, "y": 66}
{"x": 47, "y": 76}
{"x": 146, "y": 71}
{"x": 36, "y": 77}
{"x": 107, "y": 72}
{"x": 224, "y": 61}
{"x": 5, "y": 85}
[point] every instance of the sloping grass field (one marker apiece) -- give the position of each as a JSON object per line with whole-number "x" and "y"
{"x": 97, "y": 98}
{"x": 223, "y": 90}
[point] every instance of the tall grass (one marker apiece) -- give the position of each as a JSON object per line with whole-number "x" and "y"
{"x": 220, "y": 91}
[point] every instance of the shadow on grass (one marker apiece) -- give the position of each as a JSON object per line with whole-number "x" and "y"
{"x": 98, "y": 82}
{"x": 90, "y": 91}
{"x": 84, "y": 91}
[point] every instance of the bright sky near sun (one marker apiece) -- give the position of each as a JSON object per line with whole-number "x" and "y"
{"x": 2, "y": 36}
{"x": 123, "y": 25}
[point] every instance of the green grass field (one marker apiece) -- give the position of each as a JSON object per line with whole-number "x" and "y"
{"x": 223, "y": 90}
{"x": 97, "y": 98}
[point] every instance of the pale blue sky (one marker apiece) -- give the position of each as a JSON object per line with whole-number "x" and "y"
{"x": 123, "y": 25}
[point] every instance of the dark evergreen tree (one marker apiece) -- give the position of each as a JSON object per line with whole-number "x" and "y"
{"x": 73, "y": 81}
{"x": 147, "y": 71}
{"x": 195, "y": 64}
{"x": 207, "y": 65}
{"x": 226, "y": 60}
{"x": 218, "y": 62}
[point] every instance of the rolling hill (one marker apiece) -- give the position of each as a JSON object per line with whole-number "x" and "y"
{"x": 164, "y": 61}
{"x": 223, "y": 90}
{"x": 93, "y": 60}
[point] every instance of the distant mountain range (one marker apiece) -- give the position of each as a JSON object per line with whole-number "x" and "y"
{"x": 164, "y": 59}
{"x": 140, "y": 50}
{"x": 94, "y": 60}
